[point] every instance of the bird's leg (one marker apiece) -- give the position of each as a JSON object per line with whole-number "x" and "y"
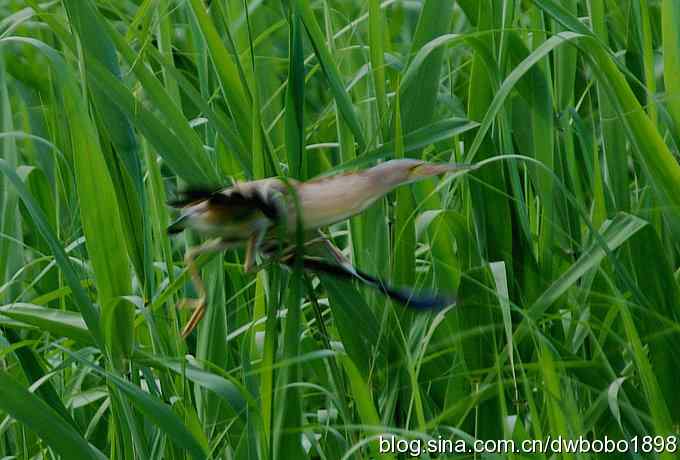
{"x": 337, "y": 254}
{"x": 249, "y": 263}
{"x": 271, "y": 253}
{"x": 324, "y": 248}
{"x": 198, "y": 305}
{"x": 288, "y": 252}
{"x": 252, "y": 248}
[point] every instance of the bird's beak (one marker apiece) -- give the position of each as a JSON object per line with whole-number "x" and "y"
{"x": 435, "y": 169}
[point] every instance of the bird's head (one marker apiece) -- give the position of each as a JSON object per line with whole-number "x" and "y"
{"x": 407, "y": 170}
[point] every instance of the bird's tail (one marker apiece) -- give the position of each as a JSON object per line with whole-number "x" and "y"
{"x": 186, "y": 198}
{"x": 405, "y": 296}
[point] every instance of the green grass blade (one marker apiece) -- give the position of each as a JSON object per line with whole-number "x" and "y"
{"x": 226, "y": 69}
{"x": 614, "y": 233}
{"x": 613, "y": 142}
{"x": 659, "y": 164}
{"x": 491, "y": 212}
{"x": 90, "y": 314}
{"x": 670, "y": 19}
{"x": 10, "y": 256}
{"x": 295, "y": 94}
{"x": 31, "y": 410}
{"x": 123, "y": 160}
{"x": 58, "y": 323}
{"x": 224, "y": 388}
{"x": 168, "y": 145}
{"x": 365, "y": 405}
{"x": 427, "y": 135}
{"x": 35, "y": 374}
{"x": 287, "y": 406}
{"x": 375, "y": 40}
{"x": 157, "y": 412}
{"x": 403, "y": 262}
{"x": 337, "y": 88}
{"x": 162, "y": 102}
{"x": 357, "y": 325}
{"x": 418, "y": 101}
{"x": 661, "y": 419}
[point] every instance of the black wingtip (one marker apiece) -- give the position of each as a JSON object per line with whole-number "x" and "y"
{"x": 407, "y": 297}
{"x": 422, "y": 300}
{"x": 419, "y": 301}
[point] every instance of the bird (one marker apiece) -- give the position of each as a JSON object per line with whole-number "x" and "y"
{"x": 265, "y": 215}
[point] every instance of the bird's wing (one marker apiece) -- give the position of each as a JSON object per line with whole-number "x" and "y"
{"x": 233, "y": 202}
{"x": 321, "y": 256}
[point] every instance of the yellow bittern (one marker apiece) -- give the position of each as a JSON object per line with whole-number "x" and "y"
{"x": 259, "y": 213}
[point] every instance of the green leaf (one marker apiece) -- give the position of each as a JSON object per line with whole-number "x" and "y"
{"x": 670, "y": 20}
{"x": 365, "y": 406}
{"x": 158, "y": 413}
{"x": 613, "y": 233}
{"x": 418, "y": 100}
{"x": 295, "y": 94}
{"x": 169, "y": 145}
{"x": 236, "y": 397}
{"x": 43, "y": 420}
{"x": 375, "y": 39}
{"x": 117, "y": 321}
{"x": 438, "y": 131}
{"x": 327, "y": 62}
{"x": 288, "y": 406}
{"x": 661, "y": 168}
{"x": 57, "y": 322}
{"x": 30, "y": 363}
{"x": 227, "y": 71}
{"x": 404, "y": 264}
{"x": 123, "y": 161}
{"x": 90, "y": 314}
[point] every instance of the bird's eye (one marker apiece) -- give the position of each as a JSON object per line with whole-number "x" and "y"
{"x": 417, "y": 170}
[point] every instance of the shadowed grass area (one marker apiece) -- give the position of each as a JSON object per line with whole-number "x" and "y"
{"x": 561, "y": 246}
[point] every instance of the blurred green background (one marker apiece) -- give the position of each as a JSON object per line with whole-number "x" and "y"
{"x": 562, "y": 248}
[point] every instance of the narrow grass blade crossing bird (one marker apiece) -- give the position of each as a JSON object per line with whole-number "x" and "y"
{"x": 257, "y": 214}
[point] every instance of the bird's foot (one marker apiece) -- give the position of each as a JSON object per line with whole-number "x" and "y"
{"x": 198, "y": 306}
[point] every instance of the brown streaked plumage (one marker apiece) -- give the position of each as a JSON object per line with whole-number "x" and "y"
{"x": 250, "y": 213}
